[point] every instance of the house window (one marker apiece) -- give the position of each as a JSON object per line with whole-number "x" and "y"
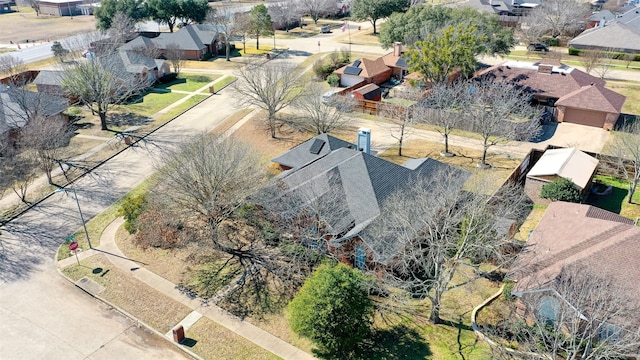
{"x": 549, "y": 309}
{"x": 360, "y": 258}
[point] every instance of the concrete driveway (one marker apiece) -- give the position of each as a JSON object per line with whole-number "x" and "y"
{"x": 586, "y": 138}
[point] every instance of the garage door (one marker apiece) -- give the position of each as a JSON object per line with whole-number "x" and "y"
{"x": 349, "y": 80}
{"x": 585, "y": 117}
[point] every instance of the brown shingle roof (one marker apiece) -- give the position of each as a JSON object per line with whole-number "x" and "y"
{"x": 370, "y": 68}
{"x": 562, "y": 81}
{"x": 594, "y": 97}
{"x": 571, "y": 233}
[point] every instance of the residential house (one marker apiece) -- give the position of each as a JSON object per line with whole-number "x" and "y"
{"x": 570, "y": 94}
{"x": 397, "y": 62}
{"x": 50, "y": 82}
{"x": 600, "y": 18}
{"x": 355, "y": 184}
{"x": 135, "y": 67}
{"x": 18, "y": 105}
{"x": 569, "y": 163}
{"x": 500, "y": 7}
{"x": 5, "y": 6}
{"x": 195, "y": 42}
{"x": 364, "y": 71}
{"x": 577, "y": 234}
{"x": 620, "y": 34}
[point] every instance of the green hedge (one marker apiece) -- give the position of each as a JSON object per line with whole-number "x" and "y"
{"x": 616, "y": 55}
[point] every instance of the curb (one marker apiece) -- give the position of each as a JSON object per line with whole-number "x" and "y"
{"x": 137, "y": 321}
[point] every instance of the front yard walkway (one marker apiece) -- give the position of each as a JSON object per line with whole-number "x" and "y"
{"x": 251, "y": 332}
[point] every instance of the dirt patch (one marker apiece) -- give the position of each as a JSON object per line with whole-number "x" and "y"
{"x": 22, "y": 26}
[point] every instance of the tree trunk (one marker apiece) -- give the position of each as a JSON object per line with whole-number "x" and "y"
{"x": 257, "y": 41}
{"x": 228, "y": 50}
{"x": 244, "y": 44}
{"x": 103, "y": 120}
{"x": 170, "y": 26}
{"x": 446, "y": 143}
{"x": 49, "y": 178}
{"x": 632, "y": 190}
{"x": 272, "y": 126}
{"x": 373, "y": 22}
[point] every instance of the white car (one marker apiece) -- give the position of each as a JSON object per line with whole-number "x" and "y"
{"x": 326, "y": 97}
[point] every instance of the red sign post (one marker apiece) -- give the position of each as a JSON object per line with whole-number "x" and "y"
{"x": 73, "y": 246}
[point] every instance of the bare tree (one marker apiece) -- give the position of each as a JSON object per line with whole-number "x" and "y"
{"x": 590, "y": 59}
{"x": 581, "y": 314}
{"x": 285, "y": 13}
{"x": 175, "y": 56}
{"x": 35, "y": 5}
{"x": 44, "y": 138}
{"x": 272, "y": 87}
{"x": 444, "y": 109}
{"x": 626, "y": 148}
{"x": 122, "y": 26}
{"x": 499, "y": 112}
{"x": 100, "y": 82}
{"x": 243, "y": 28}
{"x": 224, "y": 18}
{"x": 401, "y": 120}
{"x": 628, "y": 58}
{"x": 320, "y": 116}
{"x": 12, "y": 66}
{"x": 318, "y": 8}
{"x": 435, "y": 228}
{"x": 606, "y": 63}
{"x": 558, "y": 17}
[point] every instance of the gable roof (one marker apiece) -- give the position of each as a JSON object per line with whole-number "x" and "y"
{"x": 190, "y": 37}
{"x": 302, "y": 155}
{"x": 569, "y": 163}
{"x": 498, "y": 6}
{"x": 602, "y": 15}
{"x": 369, "y": 68}
{"x": 560, "y": 81}
{"x": 363, "y": 183}
{"x": 392, "y": 60}
{"x": 570, "y": 233}
{"x": 594, "y": 97}
{"x": 621, "y": 33}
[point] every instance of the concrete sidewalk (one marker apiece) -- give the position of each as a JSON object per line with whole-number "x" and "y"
{"x": 251, "y": 332}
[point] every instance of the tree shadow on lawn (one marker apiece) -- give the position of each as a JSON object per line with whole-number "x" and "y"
{"x": 611, "y": 202}
{"x": 127, "y": 119}
{"x": 398, "y": 342}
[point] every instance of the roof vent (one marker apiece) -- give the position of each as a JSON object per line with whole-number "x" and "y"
{"x": 545, "y": 69}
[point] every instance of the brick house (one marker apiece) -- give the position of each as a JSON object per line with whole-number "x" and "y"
{"x": 563, "y": 90}
{"x": 364, "y": 70}
{"x": 397, "y": 62}
{"x": 353, "y": 186}
{"x": 371, "y": 92}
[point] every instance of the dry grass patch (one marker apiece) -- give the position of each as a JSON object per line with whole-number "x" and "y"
{"x": 632, "y": 91}
{"x": 216, "y": 342}
{"x": 501, "y": 165}
{"x": 130, "y": 294}
{"x": 20, "y": 26}
{"x": 278, "y": 325}
{"x": 231, "y": 120}
{"x": 219, "y": 63}
{"x": 530, "y": 222}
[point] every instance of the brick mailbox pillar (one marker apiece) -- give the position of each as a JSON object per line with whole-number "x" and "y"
{"x": 178, "y": 333}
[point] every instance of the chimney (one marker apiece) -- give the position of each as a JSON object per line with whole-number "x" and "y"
{"x": 397, "y": 49}
{"x": 364, "y": 140}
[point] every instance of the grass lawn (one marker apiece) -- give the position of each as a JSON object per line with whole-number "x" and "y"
{"x": 135, "y": 297}
{"x": 617, "y": 201}
{"x": 151, "y": 103}
{"x": 213, "y": 341}
{"x": 632, "y": 91}
{"x": 530, "y": 222}
{"x": 224, "y": 82}
{"x": 178, "y": 109}
{"x": 189, "y": 82}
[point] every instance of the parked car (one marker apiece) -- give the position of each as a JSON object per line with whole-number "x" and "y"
{"x": 537, "y": 47}
{"x": 325, "y": 29}
{"x": 328, "y": 96}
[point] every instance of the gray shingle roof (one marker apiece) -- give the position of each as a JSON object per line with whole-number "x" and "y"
{"x": 359, "y": 183}
{"x": 301, "y": 154}
{"x": 48, "y": 77}
{"x": 13, "y": 101}
{"x": 622, "y": 33}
